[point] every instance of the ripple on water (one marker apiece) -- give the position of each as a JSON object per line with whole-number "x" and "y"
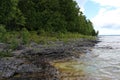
{"x": 102, "y": 63}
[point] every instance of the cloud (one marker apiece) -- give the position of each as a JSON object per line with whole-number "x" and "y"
{"x": 107, "y": 17}
{"x": 109, "y": 32}
{"x": 107, "y": 21}
{"x": 81, "y": 3}
{"x": 112, "y": 3}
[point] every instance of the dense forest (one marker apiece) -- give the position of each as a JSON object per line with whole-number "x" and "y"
{"x": 53, "y": 16}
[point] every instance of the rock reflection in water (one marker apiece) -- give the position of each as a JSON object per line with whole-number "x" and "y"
{"x": 72, "y": 70}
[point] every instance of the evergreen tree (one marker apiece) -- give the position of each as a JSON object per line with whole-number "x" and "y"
{"x": 10, "y": 15}
{"x": 47, "y": 15}
{"x": 69, "y": 9}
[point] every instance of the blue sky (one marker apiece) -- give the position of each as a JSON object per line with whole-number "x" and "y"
{"x": 105, "y": 15}
{"x": 91, "y": 9}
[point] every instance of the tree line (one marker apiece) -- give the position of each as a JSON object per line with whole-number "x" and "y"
{"x": 45, "y": 15}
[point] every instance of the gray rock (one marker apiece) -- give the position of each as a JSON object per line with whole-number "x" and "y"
{"x": 32, "y": 63}
{"x": 20, "y": 47}
{"x": 17, "y": 52}
{"x": 8, "y": 73}
{"x": 8, "y": 66}
{"x": 28, "y": 68}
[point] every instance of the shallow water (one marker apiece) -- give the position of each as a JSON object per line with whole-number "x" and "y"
{"x": 102, "y": 63}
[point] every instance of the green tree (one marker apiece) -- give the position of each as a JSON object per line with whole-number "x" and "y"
{"x": 10, "y": 15}
{"x": 47, "y": 15}
{"x": 69, "y": 9}
{"x": 41, "y": 14}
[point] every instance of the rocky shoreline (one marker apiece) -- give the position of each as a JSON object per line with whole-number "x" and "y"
{"x": 34, "y": 62}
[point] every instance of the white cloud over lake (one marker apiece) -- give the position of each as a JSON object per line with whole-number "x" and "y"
{"x": 107, "y": 21}
{"x": 107, "y": 17}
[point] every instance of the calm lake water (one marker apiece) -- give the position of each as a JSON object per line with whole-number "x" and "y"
{"x": 101, "y": 63}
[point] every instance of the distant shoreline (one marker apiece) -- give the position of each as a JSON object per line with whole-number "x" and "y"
{"x": 108, "y": 35}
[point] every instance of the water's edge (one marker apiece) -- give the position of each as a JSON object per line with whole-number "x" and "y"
{"x": 101, "y": 63}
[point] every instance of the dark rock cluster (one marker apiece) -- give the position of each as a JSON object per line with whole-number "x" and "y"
{"x": 33, "y": 62}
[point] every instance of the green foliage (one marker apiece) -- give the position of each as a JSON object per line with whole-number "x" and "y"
{"x": 52, "y": 16}
{"x": 2, "y": 29}
{"x": 25, "y": 21}
{"x": 2, "y": 33}
{"x": 14, "y": 43}
{"x": 25, "y": 36}
{"x": 7, "y": 37}
{"x": 10, "y": 15}
{"x": 5, "y": 54}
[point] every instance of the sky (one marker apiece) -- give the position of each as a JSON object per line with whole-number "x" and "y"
{"x": 104, "y": 14}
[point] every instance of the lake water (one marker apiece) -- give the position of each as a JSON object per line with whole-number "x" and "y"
{"x": 101, "y": 63}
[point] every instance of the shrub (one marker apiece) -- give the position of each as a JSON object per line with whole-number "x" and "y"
{"x": 14, "y": 43}
{"x": 5, "y": 54}
{"x": 25, "y": 36}
{"x": 2, "y": 33}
